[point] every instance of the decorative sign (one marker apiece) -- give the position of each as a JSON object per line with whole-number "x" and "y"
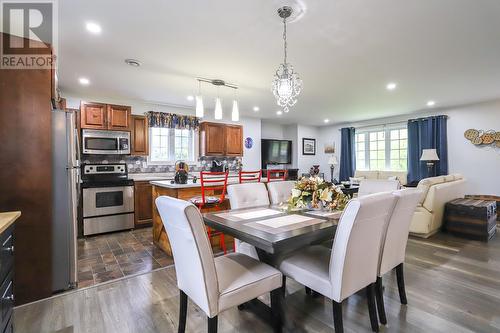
{"x": 483, "y": 138}
{"x": 248, "y": 143}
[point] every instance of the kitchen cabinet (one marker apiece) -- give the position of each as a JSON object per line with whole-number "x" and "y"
{"x": 143, "y": 201}
{"x": 93, "y": 115}
{"x": 105, "y": 116}
{"x": 140, "y": 134}
{"x": 218, "y": 139}
{"x": 118, "y": 117}
{"x": 26, "y": 173}
{"x": 234, "y": 140}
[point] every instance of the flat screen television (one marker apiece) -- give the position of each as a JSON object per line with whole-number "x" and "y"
{"x": 276, "y": 152}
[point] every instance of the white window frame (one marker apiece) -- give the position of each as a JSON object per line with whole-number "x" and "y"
{"x": 194, "y": 142}
{"x": 387, "y": 146}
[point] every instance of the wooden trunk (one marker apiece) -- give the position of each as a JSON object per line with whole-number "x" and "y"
{"x": 489, "y": 198}
{"x": 160, "y": 237}
{"x": 473, "y": 219}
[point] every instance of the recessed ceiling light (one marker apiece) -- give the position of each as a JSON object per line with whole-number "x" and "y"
{"x": 431, "y": 103}
{"x": 279, "y": 113}
{"x": 326, "y": 121}
{"x": 133, "y": 62}
{"x": 93, "y": 28}
{"x": 391, "y": 86}
{"x": 256, "y": 108}
{"x": 84, "y": 81}
{"x": 190, "y": 98}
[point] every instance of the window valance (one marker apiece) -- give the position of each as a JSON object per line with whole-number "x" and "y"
{"x": 172, "y": 120}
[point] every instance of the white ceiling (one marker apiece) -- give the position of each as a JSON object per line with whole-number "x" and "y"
{"x": 345, "y": 51}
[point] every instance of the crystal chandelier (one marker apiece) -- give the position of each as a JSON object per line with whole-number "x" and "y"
{"x": 287, "y": 84}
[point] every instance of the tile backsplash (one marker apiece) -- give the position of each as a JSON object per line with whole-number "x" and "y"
{"x": 139, "y": 164}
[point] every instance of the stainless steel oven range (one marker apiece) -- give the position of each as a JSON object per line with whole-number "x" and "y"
{"x": 108, "y": 198}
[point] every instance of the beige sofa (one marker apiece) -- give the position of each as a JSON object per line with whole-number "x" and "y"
{"x": 436, "y": 192}
{"x": 382, "y": 175}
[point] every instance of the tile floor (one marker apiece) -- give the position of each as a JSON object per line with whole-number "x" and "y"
{"x": 110, "y": 256}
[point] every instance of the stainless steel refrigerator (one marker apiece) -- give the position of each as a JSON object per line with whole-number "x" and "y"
{"x": 66, "y": 192}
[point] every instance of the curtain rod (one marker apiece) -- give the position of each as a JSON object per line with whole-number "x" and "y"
{"x": 395, "y": 122}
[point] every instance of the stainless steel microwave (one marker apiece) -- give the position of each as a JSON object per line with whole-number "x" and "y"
{"x": 105, "y": 142}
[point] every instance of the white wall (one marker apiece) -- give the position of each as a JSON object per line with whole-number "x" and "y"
{"x": 305, "y": 162}
{"x": 480, "y": 166}
{"x": 251, "y": 126}
{"x": 272, "y": 131}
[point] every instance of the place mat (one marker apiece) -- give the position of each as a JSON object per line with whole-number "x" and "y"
{"x": 322, "y": 213}
{"x": 248, "y": 215}
{"x": 284, "y": 223}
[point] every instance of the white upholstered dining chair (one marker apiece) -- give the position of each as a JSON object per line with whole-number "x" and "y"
{"x": 247, "y": 195}
{"x": 371, "y": 186}
{"x": 352, "y": 263}
{"x": 392, "y": 254}
{"x": 279, "y": 192}
{"x": 214, "y": 284}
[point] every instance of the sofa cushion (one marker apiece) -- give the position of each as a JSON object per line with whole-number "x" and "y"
{"x": 449, "y": 178}
{"x": 426, "y": 183}
{"x": 400, "y": 175}
{"x": 366, "y": 173}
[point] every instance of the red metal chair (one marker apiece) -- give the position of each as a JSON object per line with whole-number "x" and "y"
{"x": 277, "y": 174}
{"x": 250, "y": 176}
{"x": 213, "y": 182}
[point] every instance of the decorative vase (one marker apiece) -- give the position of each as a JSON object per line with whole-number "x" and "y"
{"x": 314, "y": 171}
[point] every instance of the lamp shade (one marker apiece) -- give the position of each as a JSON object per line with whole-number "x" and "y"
{"x": 429, "y": 155}
{"x": 333, "y": 160}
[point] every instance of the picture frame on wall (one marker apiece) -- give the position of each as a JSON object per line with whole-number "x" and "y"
{"x": 308, "y": 146}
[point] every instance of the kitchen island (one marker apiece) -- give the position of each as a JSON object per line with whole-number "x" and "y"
{"x": 183, "y": 192}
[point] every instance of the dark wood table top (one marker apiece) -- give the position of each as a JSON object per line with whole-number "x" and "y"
{"x": 272, "y": 229}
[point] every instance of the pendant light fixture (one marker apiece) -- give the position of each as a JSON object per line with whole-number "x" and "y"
{"x": 287, "y": 84}
{"x": 218, "y": 107}
{"x": 235, "y": 114}
{"x": 199, "y": 102}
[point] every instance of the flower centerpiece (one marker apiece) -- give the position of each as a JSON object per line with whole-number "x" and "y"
{"x": 315, "y": 193}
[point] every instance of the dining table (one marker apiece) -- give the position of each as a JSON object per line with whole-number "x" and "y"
{"x": 274, "y": 231}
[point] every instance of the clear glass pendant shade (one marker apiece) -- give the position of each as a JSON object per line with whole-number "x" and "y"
{"x": 235, "y": 115}
{"x": 199, "y": 107}
{"x": 218, "y": 109}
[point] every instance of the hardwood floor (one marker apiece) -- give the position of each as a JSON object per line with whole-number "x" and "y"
{"x": 453, "y": 285}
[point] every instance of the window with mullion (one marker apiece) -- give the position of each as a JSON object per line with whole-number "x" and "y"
{"x": 384, "y": 149}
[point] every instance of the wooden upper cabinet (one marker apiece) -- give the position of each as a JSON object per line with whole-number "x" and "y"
{"x": 119, "y": 117}
{"x": 93, "y": 115}
{"x": 234, "y": 140}
{"x": 105, "y": 116}
{"x": 218, "y": 139}
{"x": 140, "y": 135}
{"x": 212, "y": 139}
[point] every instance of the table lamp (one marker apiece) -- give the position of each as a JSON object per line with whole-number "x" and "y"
{"x": 430, "y": 156}
{"x": 333, "y": 163}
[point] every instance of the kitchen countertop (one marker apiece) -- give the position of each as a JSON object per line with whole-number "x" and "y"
{"x": 164, "y": 176}
{"x": 190, "y": 184}
{"x": 7, "y": 218}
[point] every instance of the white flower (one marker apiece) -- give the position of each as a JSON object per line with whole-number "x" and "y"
{"x": 296, "y": 193}
{"x": 326, "y": 195}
